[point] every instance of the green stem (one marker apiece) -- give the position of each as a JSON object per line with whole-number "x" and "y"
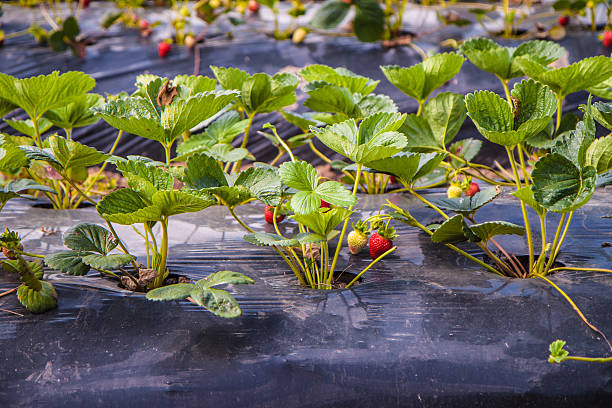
{"x": 242, "y": 224}
{"x": 245, "y": 140}
{"x": 555, "y": 242}
{"x": 369, "y": 266}
{"x": 590, "y": 359}
{"x": 341, "y": 240}
{"x": 427, "y": 203}
{"x": 505, "y": 85}
{"x": 31, "y": 255}
{"x": 559, "y": 110}
{"x": 161, "y": 268}
{"x": 37, "y": 138}
{"x": 576, "y": 309}
{"x": 555, "y": 250}
{"x": 167, "y": 149}
{"x": 568, "y": 268}
{"x": 420, "y": 109}
{"x": 523, "y": 209}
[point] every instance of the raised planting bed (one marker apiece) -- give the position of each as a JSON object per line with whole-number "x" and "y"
{"x": 424, "y": 326}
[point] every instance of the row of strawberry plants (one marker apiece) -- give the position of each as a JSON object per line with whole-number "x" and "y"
{"x": 372, "y": 20}
{"x": 556, "y": 161}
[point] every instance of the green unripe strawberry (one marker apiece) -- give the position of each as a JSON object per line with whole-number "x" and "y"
{"x": 454, "y": 191}
{"x": 358, "y": 238}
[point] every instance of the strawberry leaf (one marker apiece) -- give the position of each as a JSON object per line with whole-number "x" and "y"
{"x": 330, "y": 14}
{"x": 525, "y": 194}
{"x": 224, "y": 278}
{"x": 560, "y": 186}
{"x": 502, "y": 61}
{"x": 26, "y": 127}
{"x": 323, "y": 221}
{"x": 70, "y": 262}
{"x": 376, "y": 138}
{"x": 267, "y": 239}
{"x": 15, "y": 188}
{"x": 87, "y": 237}
{"x": 77, "y": 113}
{"x": 578, "y": 76}
{"x": 177, "y": 291}
{"x": 420, "y": 80}
{"x": 450, "y": 231}
{"x": 70, "y": 154}
{"x": 38, "y": 301}
{"x": 409, "y": 167}
{"x": 37, "y": 95}
{"x": 108, "y": 262}
{"x": 218, "y": 302}
{"x": 490, "y": 229}
{"x": 466, "y": 205}
{"x": 341, "y": 77}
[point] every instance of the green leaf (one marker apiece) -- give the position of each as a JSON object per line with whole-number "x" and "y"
{"x": 71, "y": 154}
{"x": 330, "y": 14}
{"x": 90, "y": 238}
{"x": 303, "y": 177}
{"x": 408, "y": 166}
{"x": 537, "y": 105}
{"x": 38, "y": 301}
{"x": 6, "y": 107}
{"x": 230, "y": 78}
{"x": 226, "y": 127}
{"x": 127, "y": 207}
{"x": 136, "y": 115}
{"x": 70, "y": 262}
{"x": 420, "y": 80}
{"x": 371, "y": 104}
{"x": 525, "y": 194}
{"x": 445, "y": 114}
{"x": 204, "y": 174}
{"x": 12, "y": 158}
{"x": 218, "y": 302}
{"x": 557, "y": 353}
{"x": 224, "y": 278}
{"x": 466, "y": 148}
{"x": 599, "y": 154}
{"x": 496, "y": 121}
{"x": 467, "y": 205}
{"x": 77, "y": 113}
{"x": 560, "y": 186}
{"x": 578, "y": 76}
{"x": 376, "y": 138}
{"x": 267, "y": 239}
{"x": 341, "y": 77}
{"x": 195, "y": 84}
{"x": 603, "y": 113}
{"x": 145, "y": 179}
{"x": 369, "y": 21}
{"x": 26, "y": 127}
{"x": 324, "y": 97}
{"x": 323, "y": 221}
{"x": 37, "y": 95}
{"x": 70, "y": 27}
{"x": 303, "y": 121}
{"x": 177, "y": 291}
{"x": 574, "y": 144}
{"x": 179, "y": 202}
{"x": 502, "y": 61}
{"x": 450, "y": 232}
{"x": 108, "y": 262}
{"x": 36, "y": 153}
{"x": 489, "y": 229}
{"x": 14, "y": 189}
{"x": 261, "y": 93}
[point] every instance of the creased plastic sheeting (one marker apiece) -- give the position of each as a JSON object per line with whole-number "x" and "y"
{"x": 426, "y": 328}
{"x": 120, "y": 55}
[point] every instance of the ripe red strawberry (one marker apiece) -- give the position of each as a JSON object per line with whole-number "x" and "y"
{"x": 392, "y": 179}
{"x": 269, "y": 215}
{"x": 607, "y": 38}
{"x": 472, "y": 189}
{"x": 85, "y": 3}
{"x": 163, "y": 48}
{"x": 381, "y": 241}
{"x": 325, "y": 204}
{"x": 357, "y": 239}
{"x": 253, "y": 6}
{"x": 564, "y": 20}
{"x": 143, "y": 24}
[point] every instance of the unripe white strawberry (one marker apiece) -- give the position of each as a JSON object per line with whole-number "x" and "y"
{"x": 357, "y": 239}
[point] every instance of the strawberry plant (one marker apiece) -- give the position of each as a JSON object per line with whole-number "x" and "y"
{"x": 58, "y": 161}
{"x": 35, "y": 294}
{"x": 259, "y": 93}
{"x": 202, "y": 293}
